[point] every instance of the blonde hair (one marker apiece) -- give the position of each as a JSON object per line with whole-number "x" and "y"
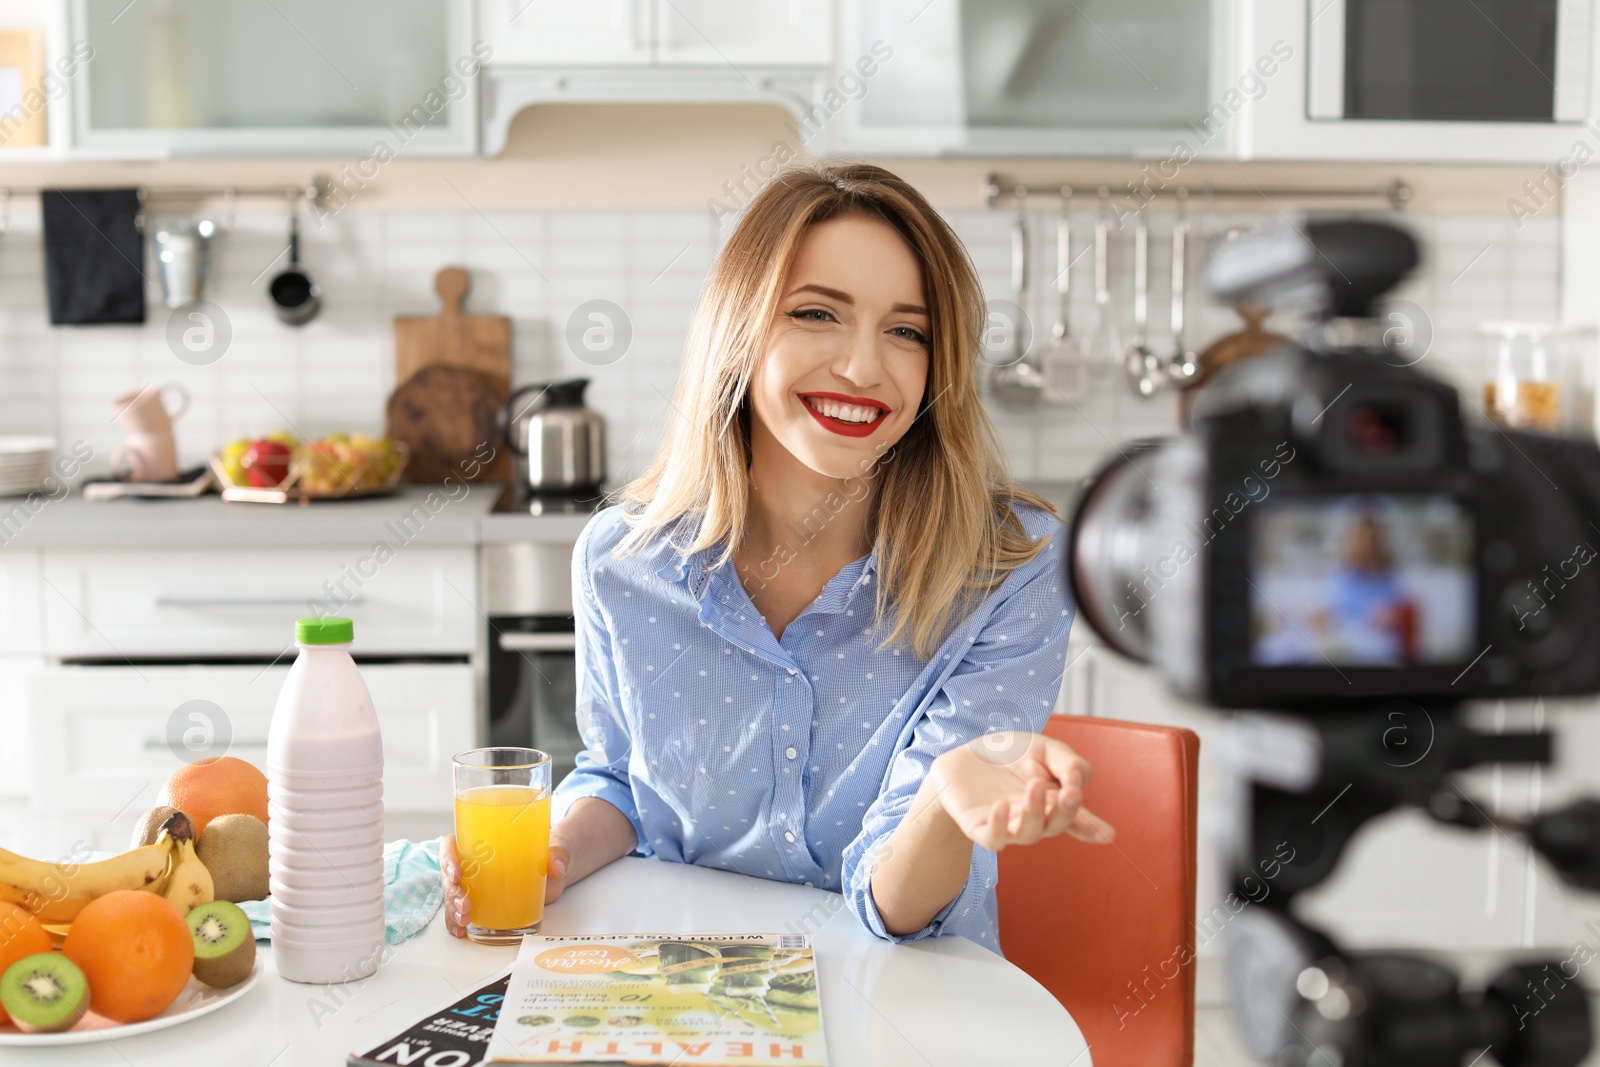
{"x": 942, "y": 515}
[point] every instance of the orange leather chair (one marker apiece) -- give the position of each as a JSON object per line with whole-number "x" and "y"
{"x": 1109, "y": 930}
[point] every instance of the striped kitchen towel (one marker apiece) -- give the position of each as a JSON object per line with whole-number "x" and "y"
{"x": 412, "y": 893}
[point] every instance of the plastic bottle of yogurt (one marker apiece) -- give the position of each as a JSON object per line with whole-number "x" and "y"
{"x": 325, "y": 802}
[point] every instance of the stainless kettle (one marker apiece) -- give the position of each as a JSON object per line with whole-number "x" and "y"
{"x": 562, "y": 443}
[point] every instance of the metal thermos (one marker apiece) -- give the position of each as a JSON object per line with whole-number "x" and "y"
{"x": 562, "y": 443}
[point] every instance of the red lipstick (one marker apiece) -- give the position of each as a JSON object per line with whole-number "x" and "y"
{"x": 839, "y": 426}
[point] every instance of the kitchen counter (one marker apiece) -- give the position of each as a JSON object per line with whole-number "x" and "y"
{"x": 415, "y": 515}
{"x": 210, "y": 522}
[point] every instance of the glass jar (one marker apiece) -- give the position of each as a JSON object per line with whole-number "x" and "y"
{"x": 1530, "y": 383}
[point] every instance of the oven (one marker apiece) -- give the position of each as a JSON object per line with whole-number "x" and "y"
{"x": 1450, "y": 61}
{"x": 532, "y": 683}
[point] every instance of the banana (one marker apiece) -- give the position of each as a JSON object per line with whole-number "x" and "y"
{"x": 189, "y": 882}
{"x": 56, "y": 892}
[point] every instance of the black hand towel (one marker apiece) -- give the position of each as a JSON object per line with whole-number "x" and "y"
{"x": 93, "y": 256}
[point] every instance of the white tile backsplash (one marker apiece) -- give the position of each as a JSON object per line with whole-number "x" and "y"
{"x": 537, "y": 267}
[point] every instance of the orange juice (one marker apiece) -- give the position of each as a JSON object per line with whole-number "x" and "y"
{"x": 503, "y": 837}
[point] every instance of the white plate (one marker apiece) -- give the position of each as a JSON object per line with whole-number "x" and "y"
{"x": 197, "y": 999}
{"x": 16, "y": 443}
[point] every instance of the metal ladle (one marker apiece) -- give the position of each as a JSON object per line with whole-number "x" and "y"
{"x": 1183, "y": 364}
{"x": 1065, "y": 368}
{"x": 1018, "y": 383}
{"x": 1142, "y": 364}
{"x": 1105, "y": 348}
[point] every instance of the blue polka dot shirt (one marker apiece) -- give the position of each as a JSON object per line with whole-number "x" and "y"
{"x": 794, "y": 759}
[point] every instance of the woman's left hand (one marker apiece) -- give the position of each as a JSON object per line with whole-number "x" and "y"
{"x": 1015, "y": 788}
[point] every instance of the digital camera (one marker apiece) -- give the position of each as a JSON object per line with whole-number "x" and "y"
{"x": 1331, "y": 530}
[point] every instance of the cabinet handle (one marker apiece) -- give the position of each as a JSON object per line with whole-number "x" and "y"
{"x": 157, "y": 743}
{"x": 519, "y": 642}
{"x": 165, "y": 601}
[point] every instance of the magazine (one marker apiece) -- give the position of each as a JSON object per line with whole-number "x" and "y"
{"x": 706, "y": 999}
{"x": 457, "y": 1034}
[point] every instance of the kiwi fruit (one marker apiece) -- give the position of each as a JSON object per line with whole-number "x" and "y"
{"x": 234, "y": 850}
{"x": 224, "y": 946}
{"x": 148, "y": 828}
{"x": 44, "y": 993}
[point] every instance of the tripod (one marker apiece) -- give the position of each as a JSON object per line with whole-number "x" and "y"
{"x": 1305, "y": 784}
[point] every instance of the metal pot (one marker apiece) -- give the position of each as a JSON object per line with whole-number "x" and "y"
{"x": 562, "y": 443}
{"x": 295, "y": 296}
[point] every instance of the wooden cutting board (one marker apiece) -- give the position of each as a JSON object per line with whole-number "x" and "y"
{"x": 452, "y": 338}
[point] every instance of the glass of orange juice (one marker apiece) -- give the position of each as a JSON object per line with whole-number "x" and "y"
{"x": 503, "y": 839}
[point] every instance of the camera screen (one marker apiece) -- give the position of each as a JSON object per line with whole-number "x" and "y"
{"x": 1362, "y": 580}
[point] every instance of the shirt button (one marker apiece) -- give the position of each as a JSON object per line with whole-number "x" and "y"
{"x": 787, "y": 836}
{"x": 808, "y": 883}
{"x": 790, "y": 752}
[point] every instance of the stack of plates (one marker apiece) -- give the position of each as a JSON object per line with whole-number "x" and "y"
{"x": 24, "y": 463}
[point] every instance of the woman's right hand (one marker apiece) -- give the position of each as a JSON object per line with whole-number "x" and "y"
{"x": 458, "y": 909}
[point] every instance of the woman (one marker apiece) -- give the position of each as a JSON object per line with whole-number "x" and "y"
{"x": 817, "y": 638}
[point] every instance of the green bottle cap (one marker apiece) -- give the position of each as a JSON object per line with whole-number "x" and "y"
{"x": 324, "y": 630}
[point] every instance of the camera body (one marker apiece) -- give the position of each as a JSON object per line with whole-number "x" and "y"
{"x": 1331, "y": 532}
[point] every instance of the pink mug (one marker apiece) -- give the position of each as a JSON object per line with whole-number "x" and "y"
{"x": 143, "y": 412}
{"x": 146, "y": 457}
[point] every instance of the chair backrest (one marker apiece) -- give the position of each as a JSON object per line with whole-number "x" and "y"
{"x": 1109, "y": 929}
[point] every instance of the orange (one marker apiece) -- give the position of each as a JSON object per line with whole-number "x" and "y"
{"x": 135, "y": 950}
{"x": 221, "y": 785}
{"x": 20, "y": 935}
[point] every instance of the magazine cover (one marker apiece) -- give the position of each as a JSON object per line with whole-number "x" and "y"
{"x": 457, "y": 1035}
{"x": 707, "y": 999}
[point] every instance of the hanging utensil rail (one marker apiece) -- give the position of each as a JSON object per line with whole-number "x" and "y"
{"x": 1395, "y": 194}
{"x": 315, "y": 191}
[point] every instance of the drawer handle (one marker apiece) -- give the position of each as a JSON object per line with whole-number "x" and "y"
{"x": 165, "y": 601}
{"x": 156, "y": 743}
{"x": 519, "y": 642}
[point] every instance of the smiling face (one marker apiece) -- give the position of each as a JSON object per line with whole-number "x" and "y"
{"x": 846, "y": 358}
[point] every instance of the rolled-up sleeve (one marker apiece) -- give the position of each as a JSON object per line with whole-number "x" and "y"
{"x": 1006, "y": 676}
{"x": 602, "y": 767}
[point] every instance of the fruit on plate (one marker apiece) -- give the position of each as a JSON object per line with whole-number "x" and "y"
{"x": 188, "y": 883}
{"x": 266, "y": 463}
{"x": 341, "y": 463}
{"x": 58, "y": 892}
{"x": 136, "y": 951}
{"x": 44, "y": 993}
{"x": 221, "y": 785}
{"x": 224, "y": 946}
{"x": 147, "y": 831}
{"x": 234, "y": 850}
{"x": 20, "y": 935}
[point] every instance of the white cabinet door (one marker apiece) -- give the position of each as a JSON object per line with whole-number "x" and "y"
{"x": 16, "y": 728}
{"x": 755, "y": 32}
{"x": 20, "y": 620}
{"x": 562, "y": 33}
{"x": 131, "y": 604}
{"x": 105, "y": 738}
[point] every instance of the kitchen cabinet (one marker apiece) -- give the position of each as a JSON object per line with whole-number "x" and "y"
{"x": 192, "y": 77}
{"x": 652, "y": 51}
{"x": 665, "y": 32}
{"x": 20, "y": 583}
{"x": 560, "y": 33}
{"x": 752, "y": 32}
{"x": 104, "y": 736}
{"x": 132, "y": 603}
{"x": 1100, "y": 77}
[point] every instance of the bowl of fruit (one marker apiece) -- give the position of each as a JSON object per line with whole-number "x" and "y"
{"x": 280, "y": 468}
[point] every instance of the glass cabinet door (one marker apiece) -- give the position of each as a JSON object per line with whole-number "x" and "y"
{"x": 196, "y": 76}
{"x": 1037, "y": 75}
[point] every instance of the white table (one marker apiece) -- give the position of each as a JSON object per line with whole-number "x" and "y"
{"x": 935, "y": 1002}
